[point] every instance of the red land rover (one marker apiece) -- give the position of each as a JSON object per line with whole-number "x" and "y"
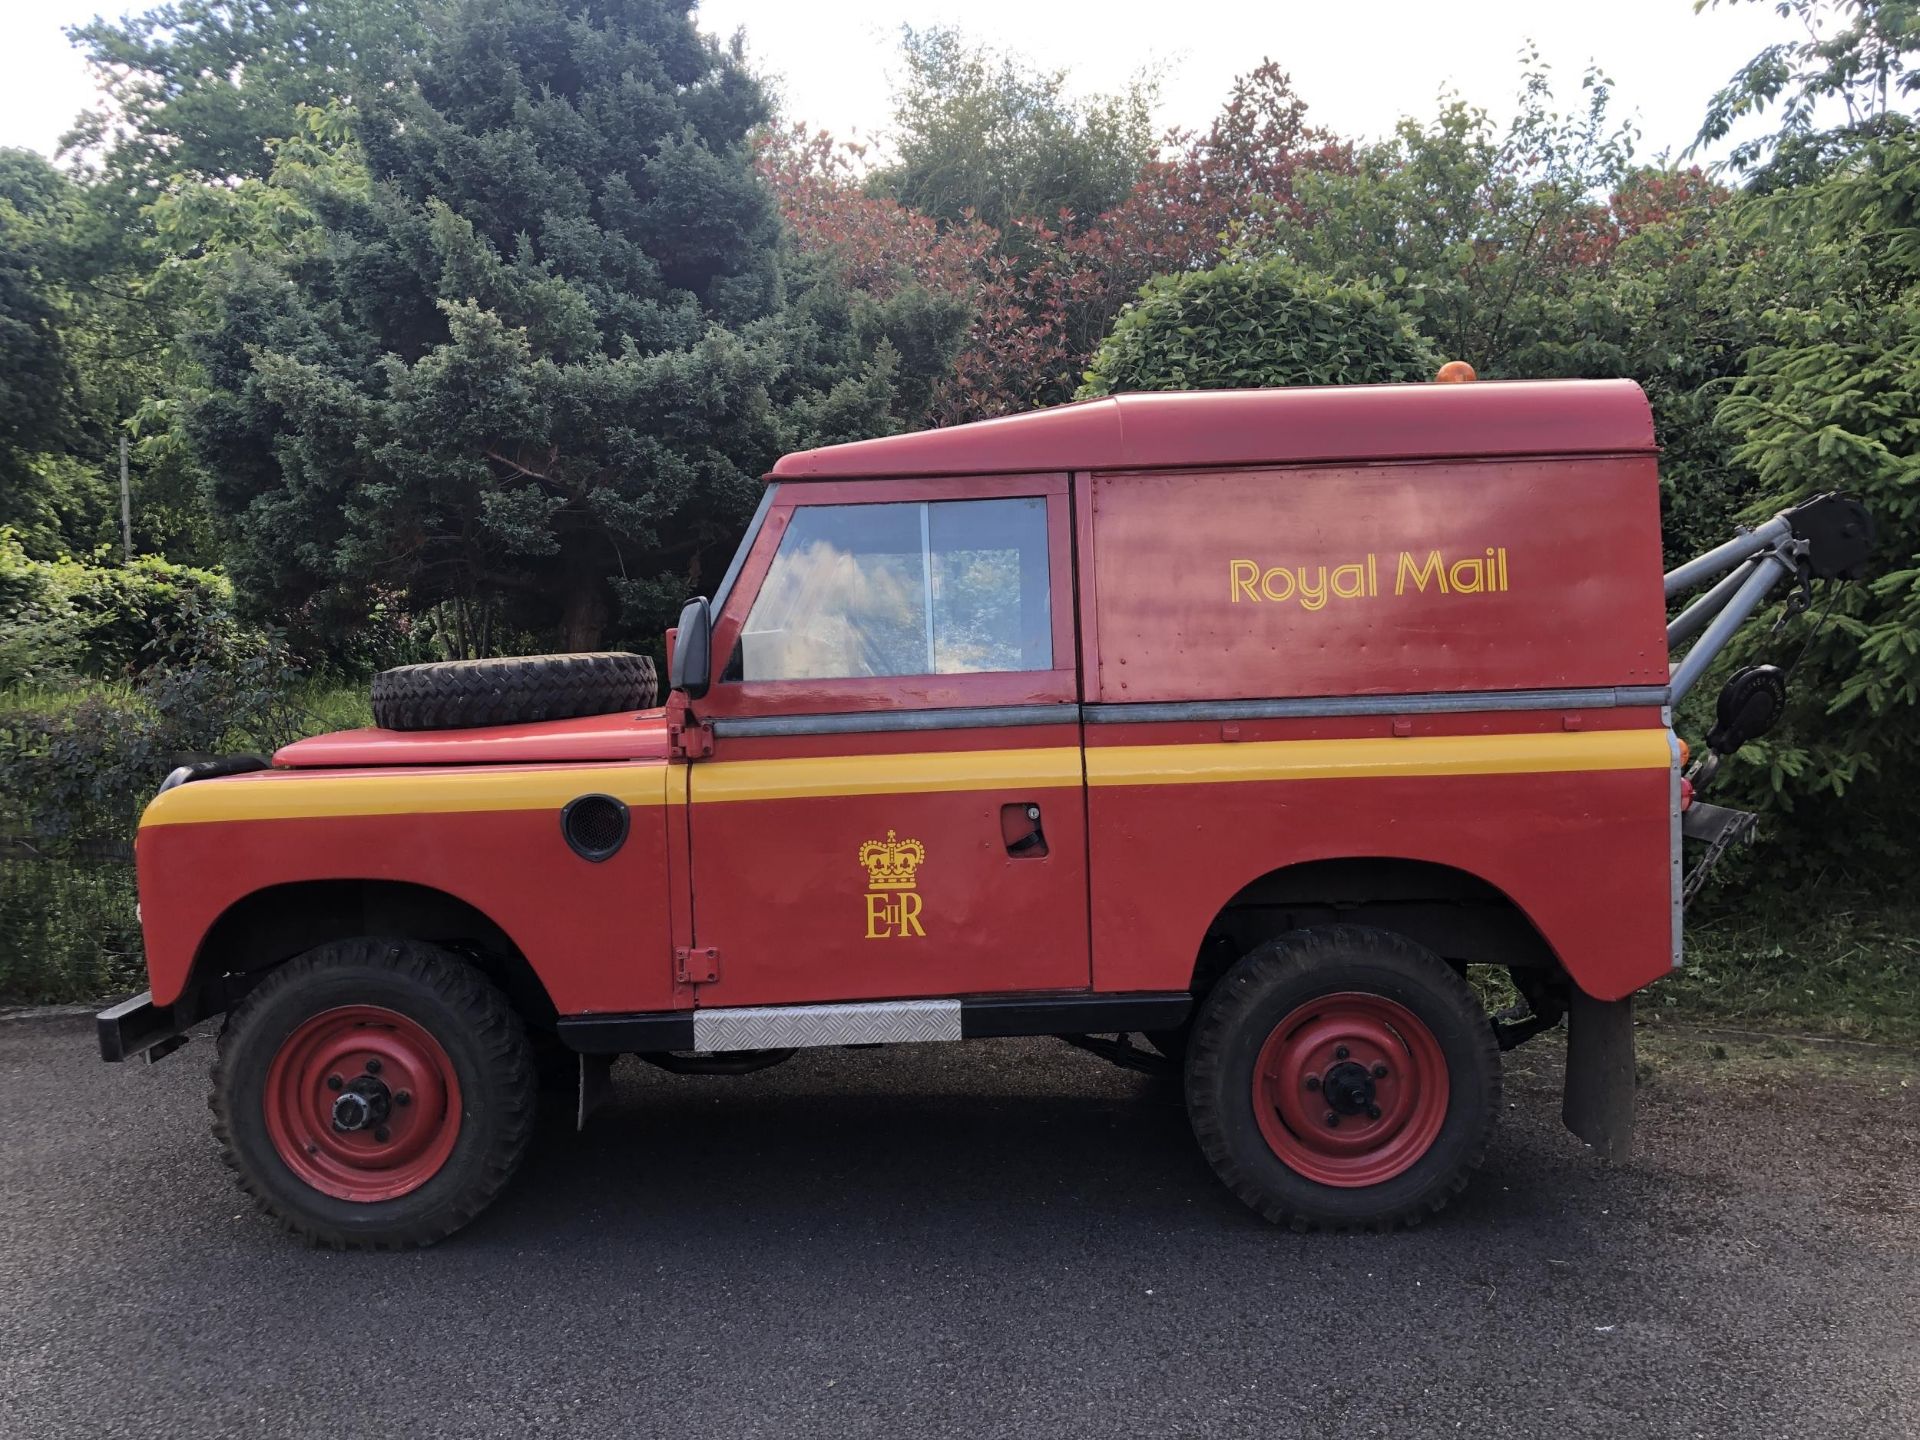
{"x": 1240, "y": 721}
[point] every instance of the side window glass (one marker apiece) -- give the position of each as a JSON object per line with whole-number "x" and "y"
{"x": 940, "y": 588}
{"x": 989, "y": 599}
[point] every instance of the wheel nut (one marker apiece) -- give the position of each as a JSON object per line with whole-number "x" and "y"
{"x": 373, "y": 1066}
{"x": 403, "y": 1097}
{"x": 381, "y": 1133}
{"x": 1379, "y": 1070}
{"x": 334, "y": 1082}
{"x": 1373, "y": 1112}
{"x": 1340, "y": 1052}
{"x": 1313, "y": 1082}
{"x": 1333, "y": 1119}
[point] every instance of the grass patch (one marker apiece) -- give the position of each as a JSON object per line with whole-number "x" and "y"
{"x": 1829, "y": 964}
{"x": 58, "y": 698}
{"x": 331, "y": 705}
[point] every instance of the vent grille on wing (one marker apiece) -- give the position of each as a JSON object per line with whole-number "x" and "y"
{"x": 595, "y": 826}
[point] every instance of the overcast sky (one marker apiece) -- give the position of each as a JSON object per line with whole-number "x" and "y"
{"x": 1360, "y": 66}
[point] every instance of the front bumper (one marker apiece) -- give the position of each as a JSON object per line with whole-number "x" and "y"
{"x": 137, "y": 1026}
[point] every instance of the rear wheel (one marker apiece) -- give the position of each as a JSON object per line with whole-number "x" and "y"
{"x": 373, "y": 1094}
{"x": 1343, "y": 1078}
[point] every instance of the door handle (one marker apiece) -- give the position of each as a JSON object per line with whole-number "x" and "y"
{"x": 1020, "y": 828}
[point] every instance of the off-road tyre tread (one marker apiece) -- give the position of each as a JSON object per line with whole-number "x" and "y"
{"x": 496, "y": 1031}
{"x": 464, "y": 694}
{"x": 1331, "y": 946}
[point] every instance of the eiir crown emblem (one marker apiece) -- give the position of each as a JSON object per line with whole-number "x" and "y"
{"x": 891, "y": 863}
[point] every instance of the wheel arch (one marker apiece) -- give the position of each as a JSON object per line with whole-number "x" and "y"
{"x": 267, "y": 927}
{"x": 1460, "y": 916}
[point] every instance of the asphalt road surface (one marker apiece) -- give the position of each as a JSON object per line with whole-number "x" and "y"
{"x": 997, "y": 1238}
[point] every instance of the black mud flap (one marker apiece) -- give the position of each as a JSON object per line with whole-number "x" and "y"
{"x": 596, "y": 1084}
{"x": 1598, "y": 1101}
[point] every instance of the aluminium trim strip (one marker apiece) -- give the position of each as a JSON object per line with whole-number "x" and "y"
{"x": 983, "y": 717}
{"x": 1677, "y": 878}
{"x": 742, "y": 550}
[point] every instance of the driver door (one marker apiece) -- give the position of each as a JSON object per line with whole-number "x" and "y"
{"x": 893, "y": 807}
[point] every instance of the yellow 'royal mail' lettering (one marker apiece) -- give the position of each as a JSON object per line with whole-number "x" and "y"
{"x": 1313, "y": 586}
{"x": 1433, "y": 567}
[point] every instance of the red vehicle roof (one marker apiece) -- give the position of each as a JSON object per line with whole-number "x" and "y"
{"x": 1189, "y": 429}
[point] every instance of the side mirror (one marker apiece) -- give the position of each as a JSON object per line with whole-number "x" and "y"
{"x": 690, "y": 667}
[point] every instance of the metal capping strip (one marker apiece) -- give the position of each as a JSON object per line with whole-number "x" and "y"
{"x": 777, "y": 1027}
{"x": 1677, "y": 870}
{"x": 983, "y": 717}
{"x": 986, "y": 717}
{"x": 1331, "y": 706}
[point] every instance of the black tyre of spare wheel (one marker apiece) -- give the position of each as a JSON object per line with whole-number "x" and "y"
{"x": 462, "y": 694}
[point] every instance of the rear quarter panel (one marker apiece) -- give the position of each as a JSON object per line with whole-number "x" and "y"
{"x": 1572, "y": 826}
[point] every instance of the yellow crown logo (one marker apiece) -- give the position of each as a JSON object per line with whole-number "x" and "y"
{"x": 891, "y": 863}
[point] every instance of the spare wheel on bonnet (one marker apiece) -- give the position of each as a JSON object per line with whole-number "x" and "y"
{"x": 462, "y": 694}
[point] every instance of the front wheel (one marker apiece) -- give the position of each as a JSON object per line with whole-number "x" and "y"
{"x": 1341, "y": 1078}
{"x": 373, "y": 1094}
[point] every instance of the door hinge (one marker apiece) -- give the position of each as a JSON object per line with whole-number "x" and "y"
{"x": 696, "y": 967}
{"x": 693, "y": 741}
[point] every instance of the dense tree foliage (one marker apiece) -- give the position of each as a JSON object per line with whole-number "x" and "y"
{"x": 528, "y": 354}
{"x": 982, "y": 134}
{"x": 1856, "y": 54}
{"x": 1830, "y": 399}
{"x": 197, "y": 90}
{"x": 454, "y": 326}
{"x": 1043, "y": 290}
{"x": 36, "y": 375}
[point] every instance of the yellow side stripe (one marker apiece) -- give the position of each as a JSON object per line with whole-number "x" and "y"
{"x": 428, "y": 792}
{"x": 1418, "y": 755}
{"x": 914, "y": 773}
{"x": 312, "y": 796}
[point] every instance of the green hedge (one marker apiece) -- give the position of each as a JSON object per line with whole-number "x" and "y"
{"x": 1257, "y": 325}
{"x": 97, "y": 617}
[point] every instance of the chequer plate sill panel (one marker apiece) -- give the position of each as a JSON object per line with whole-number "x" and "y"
{"x": 776, "y": 1027}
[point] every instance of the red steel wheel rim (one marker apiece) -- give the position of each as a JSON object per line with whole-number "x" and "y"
{"x": 362, "y": 1103}
{"x": 1369, "y": 1062}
